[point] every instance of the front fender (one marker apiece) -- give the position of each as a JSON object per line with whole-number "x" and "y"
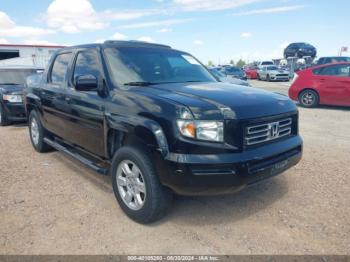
{"x": 148, "y": 130}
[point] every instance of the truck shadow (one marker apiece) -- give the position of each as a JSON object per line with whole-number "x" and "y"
{"x": 228, "y": 208}
{"x": 199, "y": 210}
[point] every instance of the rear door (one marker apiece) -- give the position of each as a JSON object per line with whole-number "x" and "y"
{"x": 53, "y": 95}
{"x": 85, "y": 123}
{"x": 334, "y": 84}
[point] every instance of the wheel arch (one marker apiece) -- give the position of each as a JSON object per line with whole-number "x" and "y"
{"x": 138, "y": 132}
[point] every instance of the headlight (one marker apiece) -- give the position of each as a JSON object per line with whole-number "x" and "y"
{"x": 202, "y": 130}
{"x": 13, "y": 98}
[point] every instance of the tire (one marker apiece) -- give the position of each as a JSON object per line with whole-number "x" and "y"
{"x": 309, "y": 98}
{"x": 136, "y": 186}
{"x": 3, "y": 118}
{"x": 37, "y": 133}
{"x": 258, "y": 77}
{"x": 268, "y": 78}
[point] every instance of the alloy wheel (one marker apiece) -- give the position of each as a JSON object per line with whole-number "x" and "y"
{"x": 308, "y": 98}
{"x": 34, "y": 131}
{"x": 131, "y": 184}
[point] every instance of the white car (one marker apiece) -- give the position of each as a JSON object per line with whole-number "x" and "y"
{"x": 272, "y": 73}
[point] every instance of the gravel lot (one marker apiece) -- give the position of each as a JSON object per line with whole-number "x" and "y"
{"x": 50, "y": 204}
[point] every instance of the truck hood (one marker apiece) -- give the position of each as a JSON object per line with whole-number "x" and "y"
{"x": 213, "y": 100}
{"x": 11, "y": 89}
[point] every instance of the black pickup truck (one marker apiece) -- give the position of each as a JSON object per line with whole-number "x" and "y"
{"x": 158, "y": 122}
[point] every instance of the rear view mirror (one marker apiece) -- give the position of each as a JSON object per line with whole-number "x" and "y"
{"x": 86, "y": 83}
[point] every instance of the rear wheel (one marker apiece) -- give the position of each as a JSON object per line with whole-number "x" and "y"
{"x": 136, "y": 186}
{"x": 37, "y": 133}
{"x": 309, "y": 98}
{"x": 3, "y": 117}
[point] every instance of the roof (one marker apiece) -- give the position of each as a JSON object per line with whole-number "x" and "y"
{"x": 39, "y": 46}
{"x": 131, "y": 43}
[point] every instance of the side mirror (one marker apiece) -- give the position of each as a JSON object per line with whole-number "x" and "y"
{"x": 86, "y": 83}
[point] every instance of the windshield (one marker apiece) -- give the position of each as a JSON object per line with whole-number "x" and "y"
{"x": 216, "y": 72}
{"x": 147, "y": 66}
{"x": 16, "y": 76}
{"x": 272, "y": 68}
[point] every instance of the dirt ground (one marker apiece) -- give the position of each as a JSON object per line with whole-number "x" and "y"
{"x": 50, "y": 204}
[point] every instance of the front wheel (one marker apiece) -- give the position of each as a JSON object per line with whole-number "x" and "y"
{"x": 268, "y": 78}
{"x": 37, "y": 133}
{"x": 3, "y": 117}
{"x": 136, "y": 186}
{"x": 308, "y": 98}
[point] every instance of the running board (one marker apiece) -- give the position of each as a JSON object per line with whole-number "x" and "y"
{"x": 76, "y": 156}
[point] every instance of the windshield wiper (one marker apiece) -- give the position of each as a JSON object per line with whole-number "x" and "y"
{"x": 140, "y": 83}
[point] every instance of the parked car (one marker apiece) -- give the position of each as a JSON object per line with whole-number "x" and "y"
{"x": 326, "y": 84}
{"x": 273, "y": 73}
{"x": 251, "y": 72}
{"x": 228, "y": 79}
{"x": 332, "y": 59}
{"x": 12, "y": 81}
{"x": 300, "y": 50}
{"x": 234, "y": 71}
{"x": 265, "y": 63}
{"x": 158, "y": 122}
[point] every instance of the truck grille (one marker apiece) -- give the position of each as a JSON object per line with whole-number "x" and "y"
{"x": 282, "y": 75}
{"x": 265, "y": 132}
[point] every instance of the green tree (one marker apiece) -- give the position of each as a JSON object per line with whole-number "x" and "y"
{"x": 240, "y": 63}
{"x": 232, "y": 62}
{"x": 210, "y": 63}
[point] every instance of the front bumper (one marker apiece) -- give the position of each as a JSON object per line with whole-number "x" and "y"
{"x": 227, "y": 173}
{"x": 15, "y": 111}
{"x": 279, "y": 78}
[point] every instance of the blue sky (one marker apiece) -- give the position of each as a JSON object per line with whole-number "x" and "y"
{"x": 217, "y": 30}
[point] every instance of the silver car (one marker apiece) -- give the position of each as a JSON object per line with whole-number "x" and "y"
{"x": 272, "y": 73}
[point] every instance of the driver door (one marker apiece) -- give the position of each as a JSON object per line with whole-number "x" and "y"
{"x": 85, "y": 125}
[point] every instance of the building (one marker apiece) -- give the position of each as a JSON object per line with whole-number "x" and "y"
{"x": 29, "y": 55}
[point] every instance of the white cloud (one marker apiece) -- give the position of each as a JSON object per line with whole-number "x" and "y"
{"x": 198, "y": 42}
{"x": 157, "y": 23}
{"x": 146, "y": 39}
{"x": 164, "y": 30}
{"x": 73, "y": 16}
{"x": 129, "y": 14}
{"x": 210, "y": 5}
{"x": 119, "y": 36}
{"x": 35, "y": 41}
{"x": 4, "y": 41}
{"x": 281, "y": 9}
{"x": 8, "y": 28}
{"x": 246, "y": 35}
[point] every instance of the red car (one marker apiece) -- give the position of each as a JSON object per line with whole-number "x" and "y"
{"x": 251, "y": 72}
{"x": 327, "y": 84}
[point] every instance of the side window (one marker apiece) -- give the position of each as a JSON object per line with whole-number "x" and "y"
{"x": 87, "y": 63}
{"x": 59, "y": 68}
{"x": 336, "y": 70}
